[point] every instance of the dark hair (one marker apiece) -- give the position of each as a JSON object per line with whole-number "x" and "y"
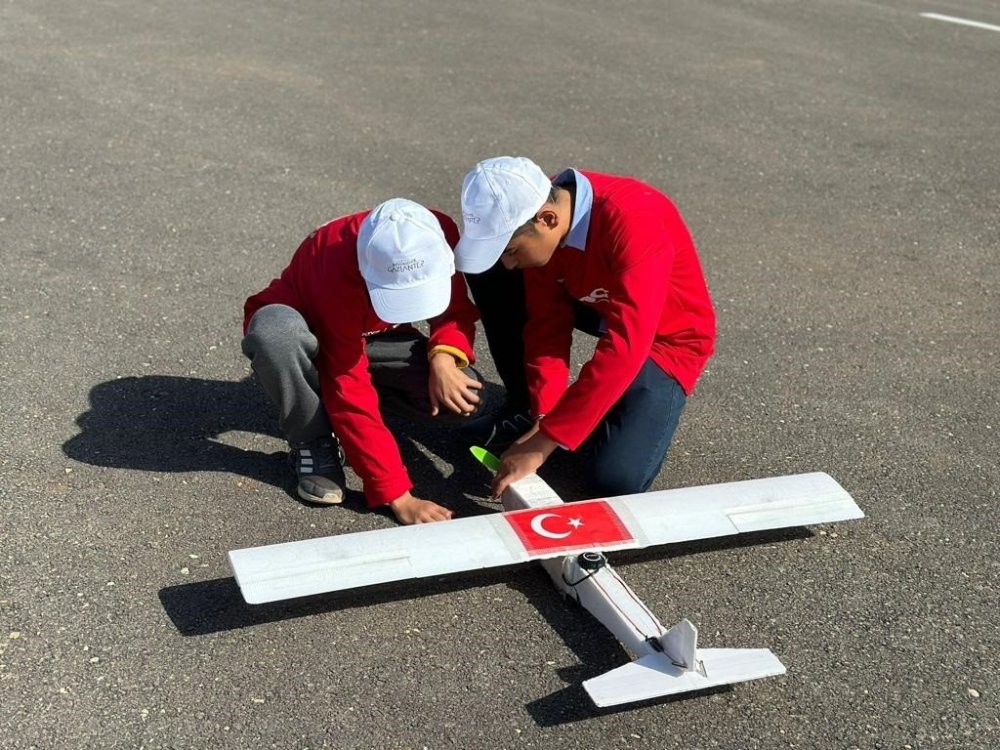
{"x": 529, "y": 226}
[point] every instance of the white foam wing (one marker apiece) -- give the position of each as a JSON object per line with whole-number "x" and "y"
{"x": 334, "y": 563}
{"x": 315, "y": 566}
{"x": 692, "y": 513}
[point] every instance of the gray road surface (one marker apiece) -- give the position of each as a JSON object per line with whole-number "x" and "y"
{"x": 159, "y": 161}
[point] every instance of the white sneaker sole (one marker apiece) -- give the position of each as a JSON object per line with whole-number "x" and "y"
{"x": 320, "y": 495}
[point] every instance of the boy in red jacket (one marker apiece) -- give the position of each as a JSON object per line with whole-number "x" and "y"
{"x": 330, "y": 342}
{"x": 607, "y": 254}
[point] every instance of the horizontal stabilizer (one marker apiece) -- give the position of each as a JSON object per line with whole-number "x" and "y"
{"x": 656, "y": 676}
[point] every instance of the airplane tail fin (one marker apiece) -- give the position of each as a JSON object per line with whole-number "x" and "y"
{"x": 680, "y": 668}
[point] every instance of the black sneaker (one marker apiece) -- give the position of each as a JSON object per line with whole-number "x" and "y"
{"x": 319, "y": 466}
{"x": 496, "y": 431}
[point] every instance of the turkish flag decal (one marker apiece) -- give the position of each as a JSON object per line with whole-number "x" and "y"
{"x": 565, "y": 528}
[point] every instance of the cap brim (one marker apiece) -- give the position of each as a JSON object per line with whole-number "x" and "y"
{"x": 476, "y": 256}
{"x": 423, "y": 302}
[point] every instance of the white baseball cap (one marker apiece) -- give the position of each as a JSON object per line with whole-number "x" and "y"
{"x": 498, "y": 196}
{"x": 406, "y": 262}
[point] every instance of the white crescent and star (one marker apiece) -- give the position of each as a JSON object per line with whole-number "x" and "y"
{"x": 538, "y": 528}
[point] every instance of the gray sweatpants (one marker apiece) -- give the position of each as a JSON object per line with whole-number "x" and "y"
{"x": 282, "y": 352}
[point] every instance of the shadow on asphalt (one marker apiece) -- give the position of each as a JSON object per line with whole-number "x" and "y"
{"x": 596, "y": 649}
{"x": 572, "y": 704}
{"x": 217, "y": 606}
{"x": 166, "y": 423}
{"x": 170, "y": 424}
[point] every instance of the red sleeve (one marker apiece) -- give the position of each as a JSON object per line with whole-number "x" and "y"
{"x": 640, "y": 264}
{"x": 351, "y": 400}
{"x": 548, "y": 338}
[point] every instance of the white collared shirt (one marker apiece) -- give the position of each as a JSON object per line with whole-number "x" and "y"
{"x": 577, "y": 236}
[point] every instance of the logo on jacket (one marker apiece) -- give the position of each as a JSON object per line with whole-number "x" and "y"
{"x": 598, "y": 295}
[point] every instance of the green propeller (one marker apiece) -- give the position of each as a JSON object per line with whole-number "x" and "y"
{"x": 486, "y": 458}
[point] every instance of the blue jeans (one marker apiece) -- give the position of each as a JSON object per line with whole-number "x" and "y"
{"x": 630, "y": 444}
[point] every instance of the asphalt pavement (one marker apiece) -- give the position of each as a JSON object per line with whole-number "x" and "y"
{"x": 837, "y": 164}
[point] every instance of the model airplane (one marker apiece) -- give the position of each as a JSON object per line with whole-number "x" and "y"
{"x": 569, "y": 539}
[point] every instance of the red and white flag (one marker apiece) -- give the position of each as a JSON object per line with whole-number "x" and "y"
{"x": 572, "y": 527}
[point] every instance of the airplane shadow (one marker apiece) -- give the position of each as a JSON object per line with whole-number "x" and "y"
{"x": 173, "y": 424}
{"x": 167, "y": 423}
{"x": 597, "y": 650}
{"x": 215, "y": 606}
{"x": 572, "y": 704}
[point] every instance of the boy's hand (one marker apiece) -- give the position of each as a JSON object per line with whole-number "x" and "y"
{"x": 524, "y": 457}
{"x": 450, "y": 387}
{"x": 409, "y": 509}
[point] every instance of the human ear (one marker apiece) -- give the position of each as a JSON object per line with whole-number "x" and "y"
{"x": 548, "y": 217}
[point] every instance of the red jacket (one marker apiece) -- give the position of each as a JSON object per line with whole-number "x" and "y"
{"x": 323, "y": 282}
{"x": 640, "y": 271}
